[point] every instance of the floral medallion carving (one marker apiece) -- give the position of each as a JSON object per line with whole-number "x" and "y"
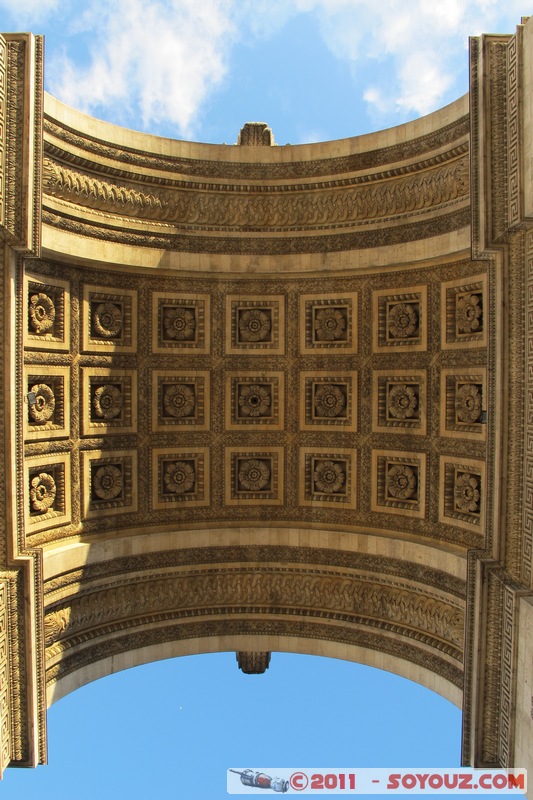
{"x": 463, "y": 495}
{"x": 109, "y": 320}
{"x": 255, "y": 476}
{"x": 107, "y": 401}
{"x": 328, "y": 401}
{"x": 467, "y": 492}
{"x": 327, "y": 477}
{"x": 398, "y": 482}
{"x": 254, "y": 400}
{"x": 42, "y": 313}
{"x": 44, "y": 405}
{"x": 255, "y": 325}
{"x": 330, "y": 323}
{"x": 48, "y": 492}
{"x": 47, "y": 313}
{"x": 401, "y": 316}
{"x": 401, "y": 481}
{"x": 181, "y": 323}
{"x": 106, "y": 320}
{"x": 469, "y": 313}
{"x": 403, "y": 401}
{"x": 399, "y": 401}
{"x": 111, "y": 401}
{"x": 179, "y": 399}
{"x": 107, "y": 482}
{"x": 463, "y": 402}
{"x": 180, "y": 476}
{"x": 42, "y": 492}
{"x": 464, "y": 313}
{"x": 468, "y": 402}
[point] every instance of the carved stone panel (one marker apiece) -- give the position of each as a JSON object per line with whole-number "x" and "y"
{"x": 464, "y": 310}
{"x": 180, "y": 400}
{"x": 463, "y": 491}
{"x": 47, "y": 492}
{"x": 180, "y": 476}
{"x": 254, "y": 476}
{"x": 399, "y": 401}
{"x": 47, "y": 402}
{"x": 328, "y": 401}
{"x": 400, "y": 317}
{"x": 464, "y": 403}
{"x": 328, "y": 323}
{"x": 110, "y": 401}
{"x": 399, "y": 482}
{"x": 109, "y": 320}
{"x": 328, "y": 477}
{"x": 255, "y": 401}
{"x": 255, "y": 326}
{"x": 46, "y": 313}
{"x": 109, "y": 482}
{"x": 181, "y": 323}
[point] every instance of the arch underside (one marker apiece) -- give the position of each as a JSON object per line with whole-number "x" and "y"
{"x": 273, "y": 398}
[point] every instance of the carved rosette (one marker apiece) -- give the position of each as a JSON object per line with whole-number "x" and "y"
{"x": 42, "y": 313}
{"x": 402, "y": 482}
{"x": 402, "y": 320}
{"x": 42, "y": 493}
{"x": 467, "y": 493}
{"x": 254, "y": 475}
{"x": 330, "y": 400}
{"x": 179, "y": 400}
{"x": 107, "y": 482}
{"x": 255, "y": 325}
{"x": 179, "y": 477}
{"x": 179, "y": 323}
{"x": 330, "y": 324}
{"x": 402, "y": 401}
{"x": 107, "y": 320}
{"x": 255, "y": 400}
{"x": 329, "y": 476}
{"x": 468, "y": 403}
{"x": 469, "y": 313}
{"x": 107, "y": 402}
{"x": 42, "y": 410}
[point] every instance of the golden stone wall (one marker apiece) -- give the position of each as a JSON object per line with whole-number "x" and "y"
{"x": 267, "y": 398}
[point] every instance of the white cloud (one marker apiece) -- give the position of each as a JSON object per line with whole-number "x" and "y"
{"x": 158, "y": 57}
{"x": 23, "y": 11}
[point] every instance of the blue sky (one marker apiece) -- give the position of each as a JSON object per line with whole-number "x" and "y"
{"x": 198, "y": 69}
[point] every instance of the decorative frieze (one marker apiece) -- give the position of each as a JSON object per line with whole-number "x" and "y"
{"x": 180, "y": 476}
{"x": 46, "y": 313}
{"x": 328, "y": 401}
{"x": 399, "y": 482}
{"x": 47, "y": 402}
{"x": 462, "y": 493}
{"x": 255, "y": 326}
{"x": 109, "y": 482}
{"x": 399, "y": 401}
{"x": 255, "y": 401}
{"x": 328, "y": 323}
{"x": 464, "y": 313}
{"x": 47, "y": 492}
{"x": 328, "y": 477}
{"x": 109, "y": 320}
{"x": 180, "y": 400}
{"x": 254, "y": 475}
{"x": 110, "y": 401}
{"x": 400, "y": 319}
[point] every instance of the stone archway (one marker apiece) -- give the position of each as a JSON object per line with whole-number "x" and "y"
{"x": 269, "y": 398}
